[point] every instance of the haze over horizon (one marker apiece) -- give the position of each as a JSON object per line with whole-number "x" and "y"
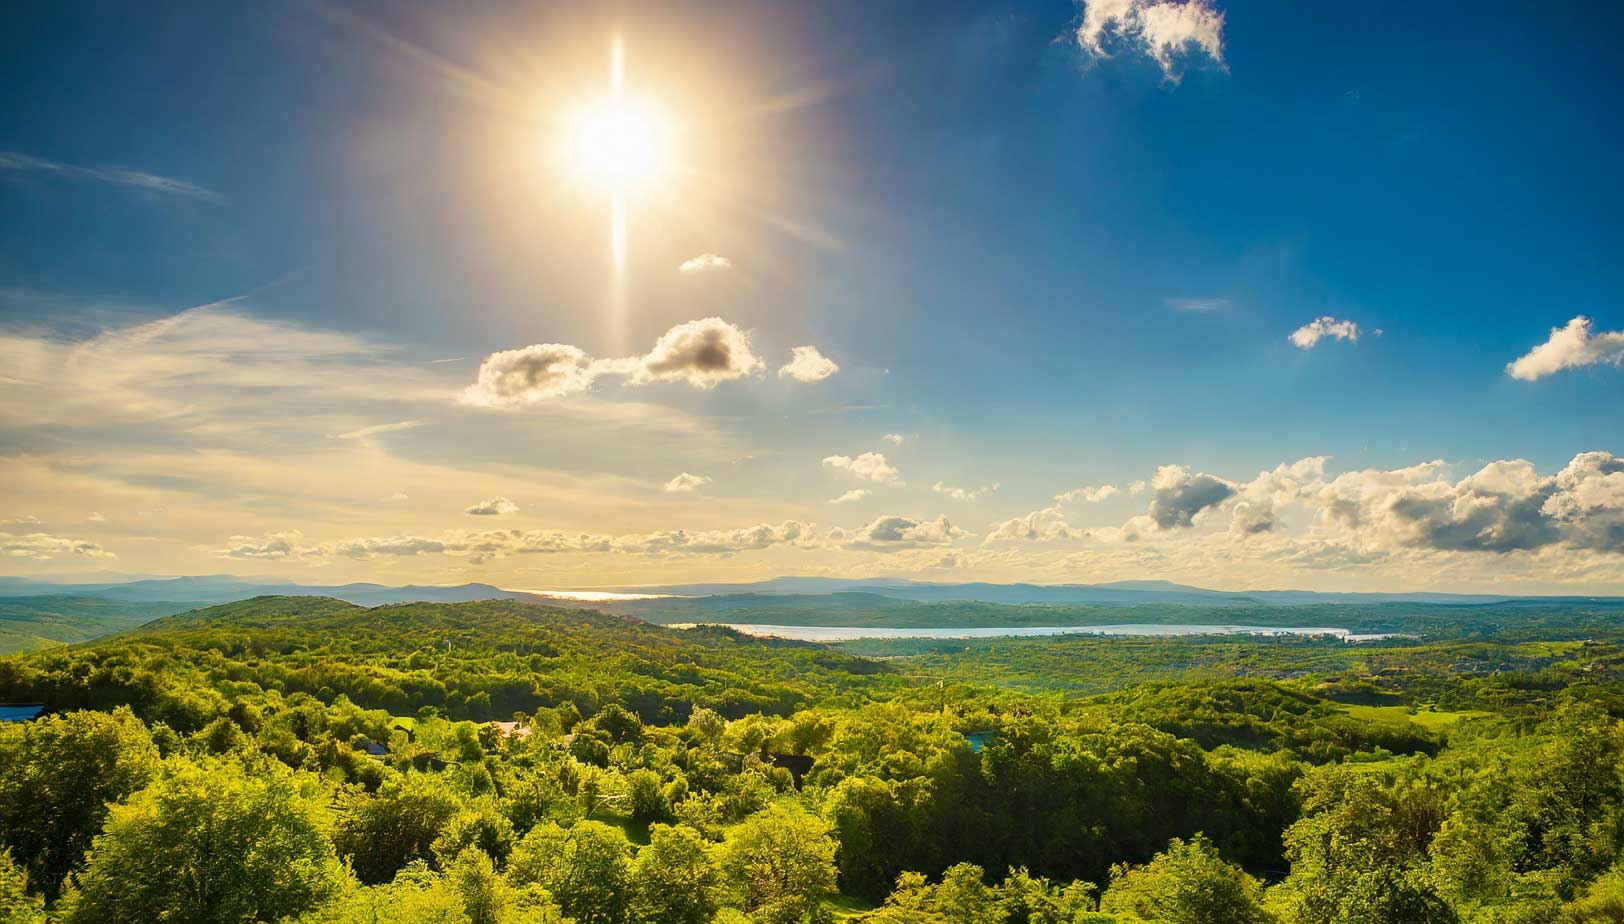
{"x": 1253, "y": 297}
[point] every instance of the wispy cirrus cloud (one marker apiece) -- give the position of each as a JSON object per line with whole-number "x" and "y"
{"x": 1197, "y": 304}
{"x": 362, "y": 433}
{"x": 17, "y": 162}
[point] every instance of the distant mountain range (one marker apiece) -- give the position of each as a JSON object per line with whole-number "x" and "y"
{"x": 36, "y": 614}
{"x": 219, "y": 588}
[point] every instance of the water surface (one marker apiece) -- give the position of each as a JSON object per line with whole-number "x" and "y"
{"x": 855, "y": 633}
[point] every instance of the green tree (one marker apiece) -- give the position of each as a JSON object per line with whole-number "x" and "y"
{"x": 781, "y": 863}
{"x": 57, "y": 776}
{"x": 418, "y": 895}
{"x": 486, "y": 898}
{"x": 381, "y": 833}
{"x": 1359, "y": 851}
{"x": 673, "y": 880}
{"x": 584, "y": 867}
{"x": 16, "y": 905}
{"x": 1188, "y": 883}
{"x": 211, "y": 844}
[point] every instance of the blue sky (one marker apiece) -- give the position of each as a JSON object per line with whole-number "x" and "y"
{"x": 1049, "y": 247}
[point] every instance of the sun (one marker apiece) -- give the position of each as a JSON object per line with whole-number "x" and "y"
{"x": 622, "y": 144}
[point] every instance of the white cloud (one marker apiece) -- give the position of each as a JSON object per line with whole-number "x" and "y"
{"x": 1569, "y": 347}
{"x": 1046, "y": 525}
{"x": 963, "y": 494}
{"x": 1090, "y": 494}
{"x": 511, "y": 378}
{"x": 1167, "y": 31}
{"x": 704, "y": 263}
{"x": 870, "y": 466}
{"x": 1178, "y": 497}
{"x": 808, "y": 365}
{"x": 24, "y": 519}
{"x": 96, "y": 517}
{"x": 892, "y": 532}
{"x": 120, "y": 176}
{"x": 274, "y": 547}
{"x": 1310, "y": 334}
{"x": 702, "y": 353}
{"x": 44, "y": 546}
{"x": 895, "y": 439}
{"x": 686, "y": 484}
{"x": 399, "y": 496}
{"x": 495, "y": 507}
{"x": 852, "y": 496}
{"x": 1137, "y": 488}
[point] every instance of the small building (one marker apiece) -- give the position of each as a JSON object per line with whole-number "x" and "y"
{"x": 512, "y": 730}
{"x": 20, "y": 712}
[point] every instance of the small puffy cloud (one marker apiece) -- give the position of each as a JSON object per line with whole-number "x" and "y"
{"x": 1178, "y": 496}
{"x": 705, "y": 263}
{"x": 870, "y": 466}
{"x": 1309, "y": 335}
{"x": 399, "y": 496}
{"x": 895, "y": 439}
{"x": 96, "y": 516}
{"x": 22, "y": 519}
{"x": 1091, "y": 495}
{"x": 1167, "y": 31}
{"x": 273, "y": 547}
{"x": 513, "y": 378}
{"x": 1046, "y": 525}
{"x": 685, "y": 484}
{"x": 963, "y": 494}
{"x": 808, "y": 365}
{"x": 1137, "y": 488}
{"x": 702, "y": 353}
{"x": 852, "y": 496}
{"x": 1569, "y": 347}
{"x": 495, "y": 507}
{"x": 893, "y": 532}
{"x": 44, "y": 546}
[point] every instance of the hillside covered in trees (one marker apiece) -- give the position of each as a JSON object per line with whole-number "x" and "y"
{"x": 298, "y": 759}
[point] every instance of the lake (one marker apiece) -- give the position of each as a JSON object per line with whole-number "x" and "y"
{"x": 852, "y": 634}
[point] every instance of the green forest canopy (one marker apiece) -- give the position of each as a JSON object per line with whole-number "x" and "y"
{"x": 306, "y": 760}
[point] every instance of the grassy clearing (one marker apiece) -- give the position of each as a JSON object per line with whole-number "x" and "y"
{"x": 1429, "y": 719}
